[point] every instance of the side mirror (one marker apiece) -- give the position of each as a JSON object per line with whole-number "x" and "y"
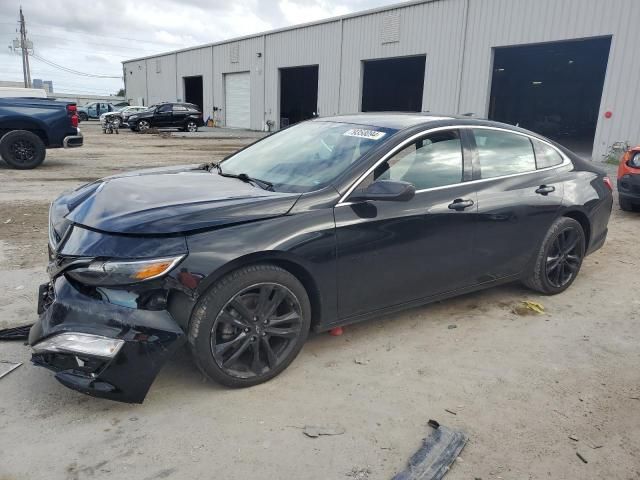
{"x": 385, "y": 190}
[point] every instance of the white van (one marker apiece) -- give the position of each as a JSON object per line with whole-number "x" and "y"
{"x": 11, "y": 92}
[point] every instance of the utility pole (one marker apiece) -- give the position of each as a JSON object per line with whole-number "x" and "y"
{"x": 25, "y": 52}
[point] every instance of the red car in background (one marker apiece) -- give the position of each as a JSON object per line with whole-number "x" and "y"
{"x": 629, "y": 180}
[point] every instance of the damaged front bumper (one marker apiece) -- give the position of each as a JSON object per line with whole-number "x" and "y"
{"x": 100, "y": 348}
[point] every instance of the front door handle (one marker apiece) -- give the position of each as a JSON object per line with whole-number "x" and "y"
{"x": 460, "y": 204}
{"x": 545, "y": 189}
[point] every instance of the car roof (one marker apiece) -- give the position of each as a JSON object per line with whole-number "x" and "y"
{"x": 402, "y": 120}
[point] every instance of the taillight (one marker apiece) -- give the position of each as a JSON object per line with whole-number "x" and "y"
{"x": 607, "y": 182}
{"x": 72, "y": 111}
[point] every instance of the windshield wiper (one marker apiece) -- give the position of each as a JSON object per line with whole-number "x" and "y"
{"x": 245, "y": 178}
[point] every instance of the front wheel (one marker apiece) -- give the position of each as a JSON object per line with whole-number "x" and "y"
{"x": 143, "y": 125}
{"x": 22, "y": 149}
{"x": 250, "y": 326}
{"x": 559, "y": 259}
{"x": 83, "y": 117}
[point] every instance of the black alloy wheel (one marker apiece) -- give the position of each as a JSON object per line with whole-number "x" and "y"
{"x": 564, "y": 258}
{"x": 250, "y": 325}
{"x": 256, "y": 330}
{"x": 22, "y": 149}
{"x": 558, "y": 259}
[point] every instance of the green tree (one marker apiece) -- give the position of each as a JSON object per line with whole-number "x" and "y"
{"x": 121, "y": 93}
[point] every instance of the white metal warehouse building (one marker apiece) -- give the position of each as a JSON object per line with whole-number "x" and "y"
{"x": 568, "y": 69}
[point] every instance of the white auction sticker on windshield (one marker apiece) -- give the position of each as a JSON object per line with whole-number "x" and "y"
{"x": 362, "y": 133}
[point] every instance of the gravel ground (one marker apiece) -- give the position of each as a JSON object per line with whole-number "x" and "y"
{"x": 519, "y": 385}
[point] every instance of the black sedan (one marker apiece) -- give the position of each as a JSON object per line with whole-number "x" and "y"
{"x": 183, "y": 116}
{"x": 326, "y": 223}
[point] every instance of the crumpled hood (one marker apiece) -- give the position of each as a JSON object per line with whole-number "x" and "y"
{"x": 168, "y": 201}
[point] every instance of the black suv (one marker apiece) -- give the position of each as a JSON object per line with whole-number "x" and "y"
{"x": 185, "y": 116}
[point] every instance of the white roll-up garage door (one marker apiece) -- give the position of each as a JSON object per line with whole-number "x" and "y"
{"x": 237, "y": 87}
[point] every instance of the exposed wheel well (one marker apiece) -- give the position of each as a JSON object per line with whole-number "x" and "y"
{"x": 290, "y": 266}
{"x": 583, "y": 220}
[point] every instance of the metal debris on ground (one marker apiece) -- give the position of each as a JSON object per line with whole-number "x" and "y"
{"x": 527, "y": 307}
{"x": 573, "y": 437}
{"x": 450, "y": 411}
{"x": 10, "y": 367}
{"x": 315, "y": 432}
{"x": 15, "y": 333}
{"x": 439, "y": 450}
{"x": 361, "y": 361}
{"x": 584, "y": 460}
{"x": 451, "y": 327}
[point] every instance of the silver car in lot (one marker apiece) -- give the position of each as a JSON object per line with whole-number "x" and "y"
{"x": 120, "y": 117}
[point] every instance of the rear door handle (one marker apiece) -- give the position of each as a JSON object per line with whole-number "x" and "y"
{"x": 545, "y": 190}
{"x": 460, "y": 204}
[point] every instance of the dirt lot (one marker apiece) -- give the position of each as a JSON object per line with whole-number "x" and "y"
{"x": 519, "y": 385}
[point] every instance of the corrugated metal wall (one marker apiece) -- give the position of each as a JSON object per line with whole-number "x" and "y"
{"x": 192, "y": 63}
{"x": 457, "y": 37}
{"x": 161, "y": 79}
{"x": 135, "y": 74}
{"x": 433, "y": 29}
{"x": 316, "y": 45}
{"x": 247, "y": 61}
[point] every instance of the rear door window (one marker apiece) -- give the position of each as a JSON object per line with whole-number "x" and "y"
{"x": 503, "y": 153}
{"x": 546, "y": 155}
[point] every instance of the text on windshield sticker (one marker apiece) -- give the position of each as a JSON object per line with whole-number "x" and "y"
{"x": 362, "y": 133}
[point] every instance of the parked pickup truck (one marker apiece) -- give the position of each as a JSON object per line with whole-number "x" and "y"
{"x": 30, "y": 125}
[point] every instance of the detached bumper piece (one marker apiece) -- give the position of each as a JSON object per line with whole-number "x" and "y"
{"x": 102, "y": 349}
{"x": 433, "y": 460}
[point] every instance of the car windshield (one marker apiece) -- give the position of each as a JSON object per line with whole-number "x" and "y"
{"x": 307, "y": 156}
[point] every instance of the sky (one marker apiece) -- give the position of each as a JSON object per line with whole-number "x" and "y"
{"x": 95, "y": 36}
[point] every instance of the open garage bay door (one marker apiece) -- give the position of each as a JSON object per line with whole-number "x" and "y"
{"x": 193, "y": 91}
{"x": 553, "y": 89}
{"x": 298, "y": 94}
{"x": 393, "y": 84}
{"x": 237, "y": 87}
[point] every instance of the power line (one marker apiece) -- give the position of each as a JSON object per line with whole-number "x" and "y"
{"x": 70, "y": 70}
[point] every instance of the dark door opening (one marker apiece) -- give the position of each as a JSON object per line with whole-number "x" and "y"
{"x": 553, "y": 89}
{"x": 193, "y": 90}
{"x": 393, "y": 84}
{"x": 298, "y": 94}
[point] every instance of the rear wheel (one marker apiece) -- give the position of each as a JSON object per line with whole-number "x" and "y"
{"x": 250, "y": 326}
{"x": 83, "y": 117}
{"x": 22, "y": 149}
{"x": 559, "y": 259}
{"x": 191, "y": 126}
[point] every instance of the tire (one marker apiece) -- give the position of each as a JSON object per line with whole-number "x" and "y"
{"x": 625, "y": 204}
{"x": 143, "y": 125}
{"x": 22, "y": 149}
{"x": 556, "y": 266}
{"x": 217, "y": 326}
{"x": 83, "y": 117}
{"x": 191, "y": 126}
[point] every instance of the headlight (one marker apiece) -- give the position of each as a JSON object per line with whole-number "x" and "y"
{"x": 635, "y": 161}
{"x": 124, "y": 272}
{"x": 80, "y": 344}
